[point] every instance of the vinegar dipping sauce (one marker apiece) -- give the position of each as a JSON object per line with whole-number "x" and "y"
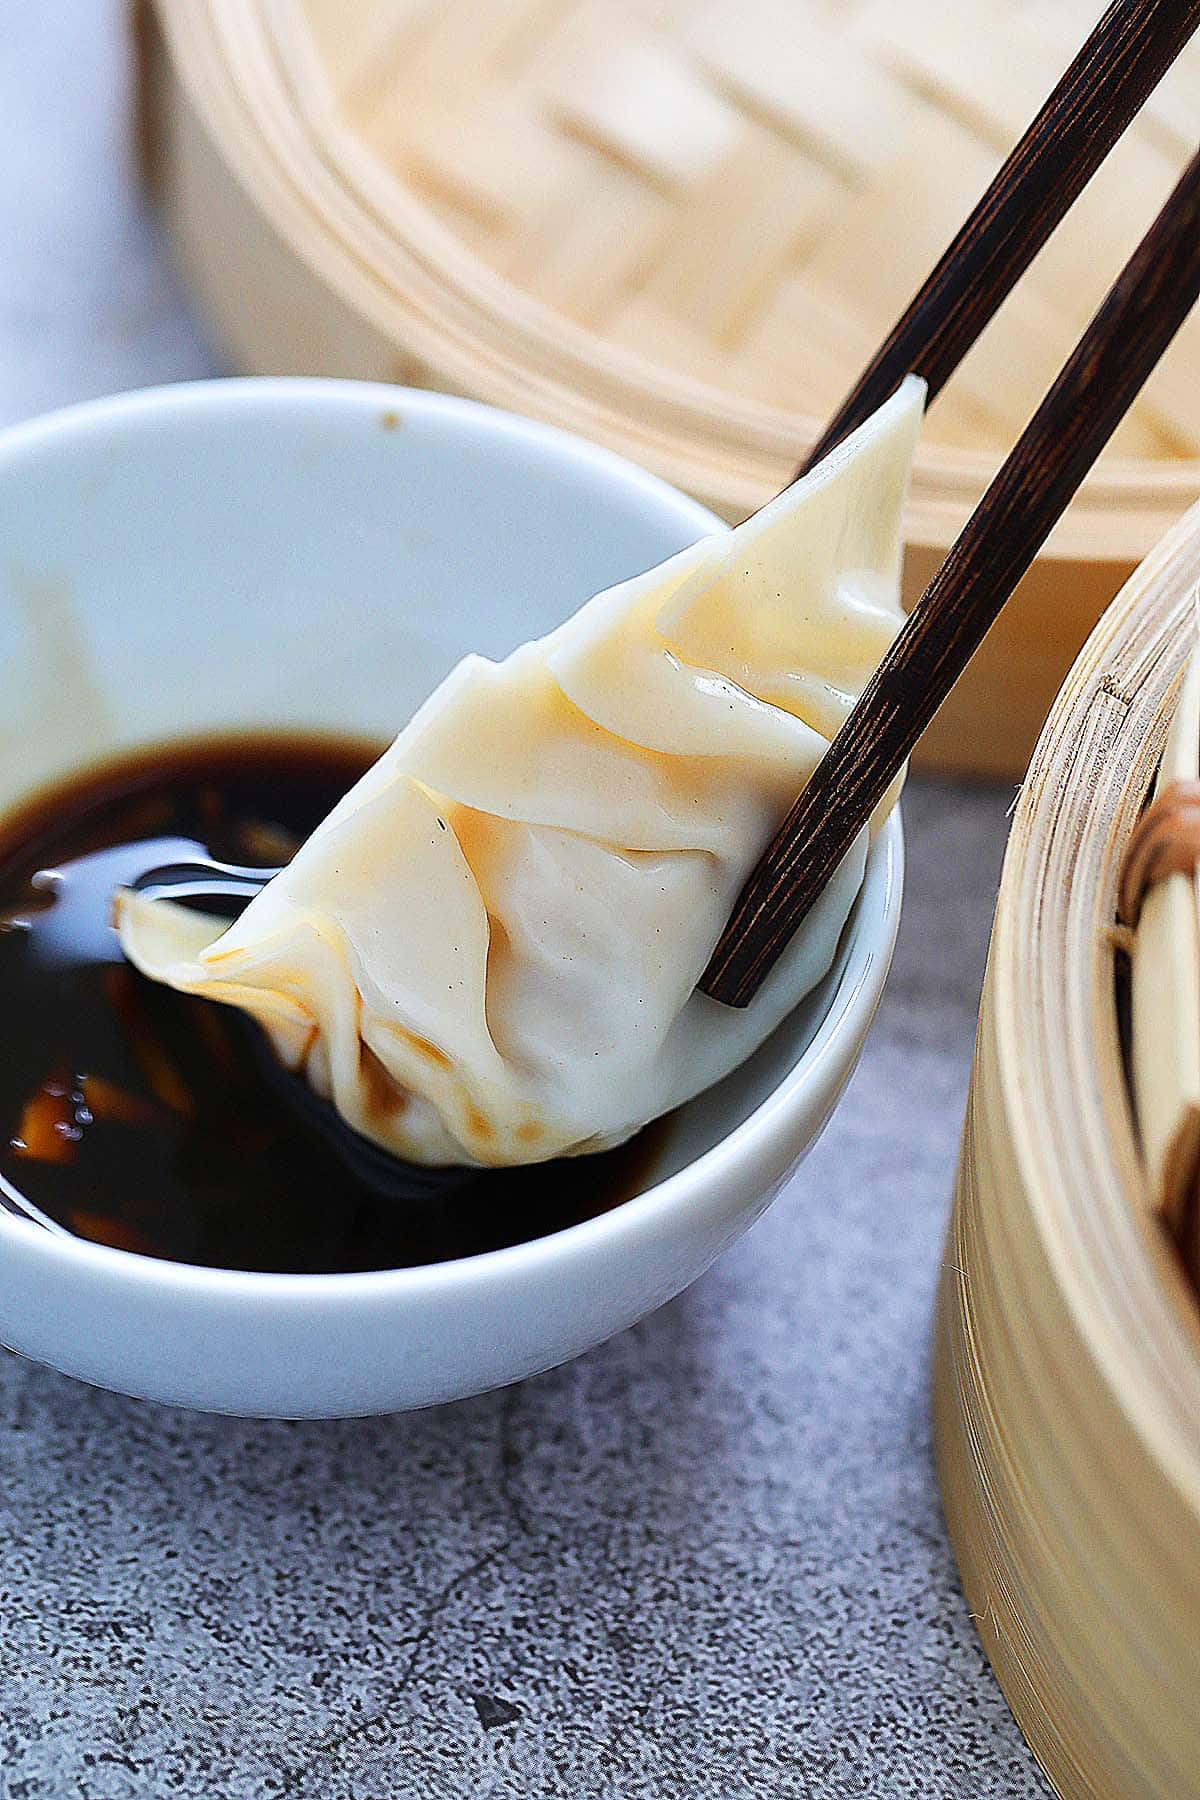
{"x": 140, "y": 1117}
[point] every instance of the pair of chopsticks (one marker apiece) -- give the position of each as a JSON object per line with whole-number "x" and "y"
{"x": 1118, "y": 68}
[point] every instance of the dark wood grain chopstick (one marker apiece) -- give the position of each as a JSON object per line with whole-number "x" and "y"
{"x": 1117, "y": 69}
{"x": 1133, "y": 327}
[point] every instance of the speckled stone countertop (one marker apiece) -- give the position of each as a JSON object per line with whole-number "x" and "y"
{"x": 706, "y": 1560}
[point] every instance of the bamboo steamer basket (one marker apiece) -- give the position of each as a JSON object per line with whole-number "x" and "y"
{"x": 1067, "y": 1351}
{"x": 678, "y": 227}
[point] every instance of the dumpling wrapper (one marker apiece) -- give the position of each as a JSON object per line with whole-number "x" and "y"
{"x": 488, "y": 952}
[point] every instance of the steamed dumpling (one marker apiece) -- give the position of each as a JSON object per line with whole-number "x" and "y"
{"x": 488, "y": 951}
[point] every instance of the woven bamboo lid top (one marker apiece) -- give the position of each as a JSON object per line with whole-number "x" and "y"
{"x": 695, "y": 218}
{"x": 748, "y": 191}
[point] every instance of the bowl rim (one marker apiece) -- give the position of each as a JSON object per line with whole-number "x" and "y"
{"x": 763, "y": 1136}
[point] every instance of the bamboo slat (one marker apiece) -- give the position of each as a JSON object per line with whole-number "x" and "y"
{"x": 1165, "y": 1002}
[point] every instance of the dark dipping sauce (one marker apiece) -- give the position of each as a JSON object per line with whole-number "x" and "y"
{"x": 141, "y": 1118}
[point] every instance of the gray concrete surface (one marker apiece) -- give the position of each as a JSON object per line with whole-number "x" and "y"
{"x": 706, "y": 1560}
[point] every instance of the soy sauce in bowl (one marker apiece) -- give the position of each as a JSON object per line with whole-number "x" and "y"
{"x": 140, "y": 1117}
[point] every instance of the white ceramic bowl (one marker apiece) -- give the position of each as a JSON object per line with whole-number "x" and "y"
{"x": 287, "y": 553}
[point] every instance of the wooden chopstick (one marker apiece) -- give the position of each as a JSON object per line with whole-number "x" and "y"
{"x": 1099, "y": 382}
{"x": 1117, "y": 69}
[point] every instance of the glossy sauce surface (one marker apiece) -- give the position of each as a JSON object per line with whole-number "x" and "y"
{"x": 150, "y": 1120}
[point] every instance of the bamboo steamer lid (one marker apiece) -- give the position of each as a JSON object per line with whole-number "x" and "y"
{"x": 1067, "y": 1355}
{"x": 678, "y": 227}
